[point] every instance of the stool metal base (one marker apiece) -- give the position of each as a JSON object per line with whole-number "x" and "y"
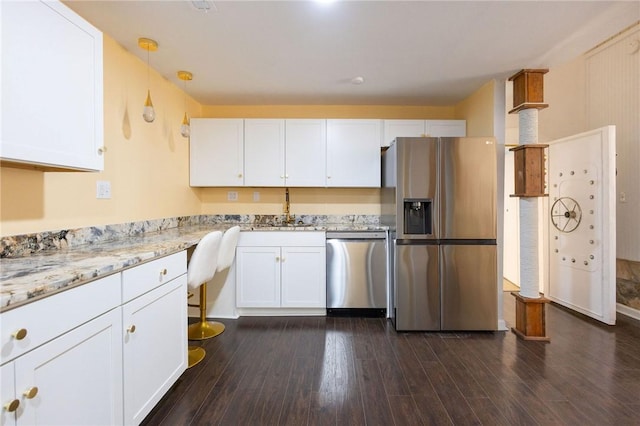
{"x": 196, "y": 354}
{"x": 205, "y": 330}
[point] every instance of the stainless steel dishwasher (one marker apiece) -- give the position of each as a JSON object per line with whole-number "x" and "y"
{"x": 357, "y": 273}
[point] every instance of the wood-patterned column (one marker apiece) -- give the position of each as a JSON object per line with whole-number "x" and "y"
{"x": 529, "y": 177}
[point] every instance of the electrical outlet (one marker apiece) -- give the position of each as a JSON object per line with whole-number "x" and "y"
{"x": 256, "y": 196}
{"x": 103, "y": 189}
{"x": 232, "y": 196}
{"x": 623, "y": 197}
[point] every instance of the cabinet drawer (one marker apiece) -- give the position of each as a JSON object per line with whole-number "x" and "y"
{"x": 146, "y": 277}
{"x": 50, "y": 317}
{"x": 282, "y": 238}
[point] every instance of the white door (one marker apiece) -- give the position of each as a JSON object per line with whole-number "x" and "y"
{"x": 155, "y": 346}
{"x": 304, "y": 283}
{"x": 258, "y": 277}
{"x": 75, "y": 379}
{"x": 216, "y": 155}
{"x": 8, "y": 396}
{"x": 401, "y": 128}
{"x": 264, "y": 152}
{"x": 582, "y": 239}
{"x": 306, "y": 142}
{"x": 511, "y": 253}
{"x": 353, "y": 153}
{"x": 446, "y": 128}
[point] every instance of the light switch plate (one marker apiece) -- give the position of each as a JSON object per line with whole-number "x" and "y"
{"x": 256, "y": 196}
{"x": 103, "y": 189}
{"x": 232, "y": 196}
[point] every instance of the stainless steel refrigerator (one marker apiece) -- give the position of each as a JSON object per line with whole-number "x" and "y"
{"x": 439, "y": 200}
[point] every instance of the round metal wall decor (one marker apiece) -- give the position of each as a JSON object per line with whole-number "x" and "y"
{"x": 566, "y": 214}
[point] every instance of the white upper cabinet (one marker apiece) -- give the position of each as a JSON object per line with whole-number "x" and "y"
{"x": 52, "y": 87}
{"x": 284, "y": 152}
{"x": 401, "y": 129}
{"x": 306, "y": 142}
{"x": 217, "y": 152}
{"x": 420, "y": 128}
{"x": 264, "y": 147}
{"x": 353, "y": 153}
{"x": 446, "y": 128}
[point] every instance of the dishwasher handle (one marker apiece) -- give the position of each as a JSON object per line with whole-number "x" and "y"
{"x": 357, "y": 235}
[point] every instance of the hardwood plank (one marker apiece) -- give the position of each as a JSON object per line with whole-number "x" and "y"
{"x": 404, "y": 411}
{"x": 374, "y": 398}
{"x": 454, "y": 402}
{"x": 297, "y": 399}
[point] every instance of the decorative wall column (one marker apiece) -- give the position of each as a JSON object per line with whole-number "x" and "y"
{"x": 529, "y": 177}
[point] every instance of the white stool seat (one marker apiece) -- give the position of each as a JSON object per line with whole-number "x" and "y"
{"x": 224, "y": 259}
{"x": 202, "y": 267}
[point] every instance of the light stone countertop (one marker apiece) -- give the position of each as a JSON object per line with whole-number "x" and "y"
{"x": 32, "y": 277}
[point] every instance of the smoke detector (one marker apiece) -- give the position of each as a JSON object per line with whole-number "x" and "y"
{"x": 204, "y": 5}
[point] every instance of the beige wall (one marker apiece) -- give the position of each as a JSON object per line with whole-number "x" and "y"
{"x": 565, "y": 92}
{"x": 478, "y": 110}
{"x": 328, "y": 111}
{"x": 147, "y": 164}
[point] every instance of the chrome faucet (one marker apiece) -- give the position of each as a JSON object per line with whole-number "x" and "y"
{"x": 287, "y": 208}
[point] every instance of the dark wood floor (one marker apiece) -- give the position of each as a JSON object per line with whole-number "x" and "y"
{"x": 359, "y": 371}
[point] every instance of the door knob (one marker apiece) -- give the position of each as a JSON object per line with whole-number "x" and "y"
{"x": 12, "y": 406}
{"x": 31, "y": 392}
{"x": 20, "y": 334}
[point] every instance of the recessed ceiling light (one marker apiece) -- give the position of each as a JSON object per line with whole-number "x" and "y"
{"x": 357, "y": 80}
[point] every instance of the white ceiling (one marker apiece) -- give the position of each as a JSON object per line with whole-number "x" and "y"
{"x": 304, "y": 52}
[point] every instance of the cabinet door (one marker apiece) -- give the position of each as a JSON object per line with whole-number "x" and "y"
{"x": 446, "y": 128}
{"x": 304, "y": 277}
{"x": 264, "y": 152}
{"x": 52, "y": 87}
{"x": 353, "y": 153}
{"x": 155, "y": 351}
{"x": 258, "y": 277}
{"x": 7, "y": 395}
{"x": 306, "y": 147}
{"x": 216, "y": 152}
{"x": 78, "y": 376}
{"x": 402, "y": 128}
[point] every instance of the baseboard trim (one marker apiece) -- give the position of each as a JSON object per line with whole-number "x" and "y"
{"x": 502, "y": 325}
{"x": 628, "y": 311}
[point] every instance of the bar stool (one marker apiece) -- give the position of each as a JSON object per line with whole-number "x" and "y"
{"x": 202, "y": 267}
{"x": 207, "y": 329}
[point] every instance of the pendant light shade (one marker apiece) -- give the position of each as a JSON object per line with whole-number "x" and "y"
{"x": 185, "y": 128}
{"x": 148, "y": 113}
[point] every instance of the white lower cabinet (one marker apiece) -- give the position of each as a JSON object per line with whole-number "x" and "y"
{"x": 154, "y": 349}
{"x": 8, "y": 398}
{"x": 281, "y": 270}
{"x": 103, "y": 353}
{"x": 76, "y": 379}
{"x": 78, "y": 376}
{"x": 154, "y": 324}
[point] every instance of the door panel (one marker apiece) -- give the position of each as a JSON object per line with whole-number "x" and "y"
{"x": 417, "y": 290}
{"x": 469, "y": 287}
{"x": 468, "y": 188}
{"x": 582, "y": 238}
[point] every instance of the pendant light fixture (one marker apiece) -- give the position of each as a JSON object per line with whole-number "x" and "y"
{"x": 148, "y": 113}
{"x": 185, "y": 129}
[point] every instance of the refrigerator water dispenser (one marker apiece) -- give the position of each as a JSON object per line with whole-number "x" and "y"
{"x": 417, "y": 216}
